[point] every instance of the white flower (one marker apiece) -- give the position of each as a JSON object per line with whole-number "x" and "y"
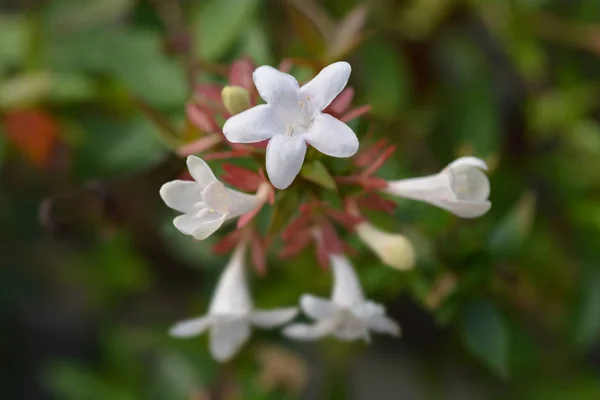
{"x": 206, "y": 202}
{"x": 461, "y": 188}
{"x": 231, "y": 313}
{"x": 347, "y": 316}
{"x": 293, "y": 116}
{"x": 394, "y": 249}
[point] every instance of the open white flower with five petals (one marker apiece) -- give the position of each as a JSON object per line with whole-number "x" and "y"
{"x": 347, "y": 316}
{"x": 231, "y": 313}
{"x": 292, "y": 117}
{"x": 461, "y": 188}
{"x": 206, "y": 202}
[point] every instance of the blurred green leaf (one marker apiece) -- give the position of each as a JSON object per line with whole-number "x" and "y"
{"x": 133, "y": 57}
{"x": 256, "y": 44}
{"x": 486, "y": 336}
{"x": 14, "y": 36}
{"x": 586, "y": 324}
{"x": 110, "y": 148}
{"x": 217, "y": 24}
{"x": 511, "y": 232}
{"x": 25, "y": 90}
{"x": 74, "y": 382}
{"x": 74, "y": 15}
{"x": 348, "y": 33}
{"x": 310, "y": 32}
{"x": 315, "y": 171}
{"x": 287, "y": 205}
{"x": 387, "y": 81}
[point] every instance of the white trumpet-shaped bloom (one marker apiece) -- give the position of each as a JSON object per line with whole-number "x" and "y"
{"x": 393, "y": 249}
{"x": 347, "y": 316}
{"x": 205, "y": 202}
{"x": 292, "y": 117}
{"x": 461, "y": 188}
{"x": 231, "y": 313}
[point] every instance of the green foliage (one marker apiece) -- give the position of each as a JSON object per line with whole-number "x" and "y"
{"x": 486, "y": 336}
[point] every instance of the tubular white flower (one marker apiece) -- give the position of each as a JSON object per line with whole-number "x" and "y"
{"x": 231, "y": 313}
{"x": 347, "y": 316}
{"x": 461, "y": 188}
{"x": 393, "y": 249}
{"x": 291, "y": 118}
{"x": 205, "y": 202}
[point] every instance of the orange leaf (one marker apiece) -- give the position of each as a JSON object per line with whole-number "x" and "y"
{"x": 34, "y": 132}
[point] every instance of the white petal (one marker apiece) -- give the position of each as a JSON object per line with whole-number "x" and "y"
{"x": 273, "y": 318}
{"x": 465, "y": 209}
{"x": 332, "y": 137}
{"x": 216, "y": 198}
{"x": 232, "y": 297}
{"x": 226, "y": 338}
{"x": 347, "y": 291}
{"x": 383, "y": 324}
{"x": 469, "y": 161}
{"x": 254, "y": 125}
{"x": 324, "y": 87}
{"x": 181, "y": 195}
{"x": 353, "y": 331}
{"x": 187, "y": 223}
{"x": 241, "y": 203}
{"x": 276, "y": 87}
{"x": 284, "y": 158}
{"x": 199, "y": 226}
{"x": 311, "y": 332}
{"x": 200, "y": 171}
{"x": 316, "y": 307}
{"x": 190, "y": 327}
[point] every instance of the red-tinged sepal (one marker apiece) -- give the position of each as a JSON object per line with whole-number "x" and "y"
{"x": 200, "y": 145}
{"x": 258, "y": 248}
{"x": 201, "y": 117}
{"x": 228, "y": 242}
{"x": 374, "y": 202}
{"x": 355, "y": 113}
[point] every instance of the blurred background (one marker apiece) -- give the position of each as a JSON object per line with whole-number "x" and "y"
{"x": 92, "y": 272}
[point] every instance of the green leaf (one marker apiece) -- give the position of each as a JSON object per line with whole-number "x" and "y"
{"x": 512, "y": 231}
{"x": 285, "y": 207}
{"x": 14, "y": 36}
{"x": 217, "y": 25}
{"x": 24, "y": 90}
{"x": 133, "y": 57}
{"x": 316, "y": 172}
{"x": 486, "y": 336}
{"x": 386, "y": 82}
{"x": 586, "y": 324}
{"x": 73, "y": 15}
{"x": 309, "y": 28}
{"x": 348, "y": 33}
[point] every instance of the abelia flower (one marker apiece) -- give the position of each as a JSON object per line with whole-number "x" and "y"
{"x": 461, "y": 188}
{"x": 205, "y": 202}
{"x": 231, "y": 314}
{"x": 347, "y": 316}
{"x": 393, "y": 249}
{"x": 293, "y": 117}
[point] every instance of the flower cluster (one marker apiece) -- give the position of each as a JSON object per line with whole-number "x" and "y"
{"x": 295, "y": 118}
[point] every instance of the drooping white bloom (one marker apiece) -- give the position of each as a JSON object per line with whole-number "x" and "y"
{"x": 394, "y": 249}
{"x": 347, "y": 316}
{"x": 291, "y": 118}
{"x": 461, "y": 188}
{"x": 231, "y": 313}
{"x": 206, "y": 202}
